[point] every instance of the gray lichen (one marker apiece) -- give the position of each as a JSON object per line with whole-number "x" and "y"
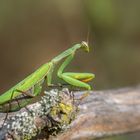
{"x": 55, "y": 111}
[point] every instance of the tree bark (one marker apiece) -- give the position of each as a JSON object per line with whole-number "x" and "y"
{"x": 104, "y": 113}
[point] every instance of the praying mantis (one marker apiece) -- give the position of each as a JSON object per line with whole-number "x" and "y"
{"x": 31, "y": 86}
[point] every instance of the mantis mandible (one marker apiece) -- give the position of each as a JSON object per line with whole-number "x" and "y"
{"x": 31, "y": 86}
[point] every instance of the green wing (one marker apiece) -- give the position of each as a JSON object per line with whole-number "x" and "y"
{"x": 27, "y": 83}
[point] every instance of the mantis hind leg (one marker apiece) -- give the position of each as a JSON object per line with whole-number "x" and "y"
{"x": 75, "y": 79}
{"x": 25, "y": 94}
{"x": 9, "y": 104}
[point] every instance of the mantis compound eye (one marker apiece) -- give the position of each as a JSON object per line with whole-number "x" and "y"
{"x": 85, "y": 46}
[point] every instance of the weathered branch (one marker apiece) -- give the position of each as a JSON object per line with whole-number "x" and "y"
{"x": 105, "y": 113}
{"x": 52, "y": 113}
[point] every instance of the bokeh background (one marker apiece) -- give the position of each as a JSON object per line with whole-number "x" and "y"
{"x": 33, "y": 32}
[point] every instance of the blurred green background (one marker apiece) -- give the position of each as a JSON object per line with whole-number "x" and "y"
{"x": 33, "y": 32}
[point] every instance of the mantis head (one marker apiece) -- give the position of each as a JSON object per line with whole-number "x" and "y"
{"x": 84, "y": 45}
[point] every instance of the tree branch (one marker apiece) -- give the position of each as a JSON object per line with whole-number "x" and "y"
{"x": 104, "y": 113}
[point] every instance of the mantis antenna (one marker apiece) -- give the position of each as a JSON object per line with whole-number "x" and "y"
{"x": 88, "y": 34}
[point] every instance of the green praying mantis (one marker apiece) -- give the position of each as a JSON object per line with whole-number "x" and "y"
{"x": 31, "y": 86}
